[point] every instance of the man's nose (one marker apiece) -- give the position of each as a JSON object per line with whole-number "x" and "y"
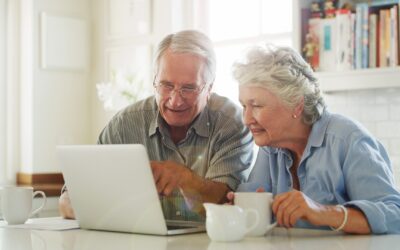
{"x": 176, "y": 99}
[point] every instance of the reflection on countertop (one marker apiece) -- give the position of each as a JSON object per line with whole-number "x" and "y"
{"x": 279, "y": 238}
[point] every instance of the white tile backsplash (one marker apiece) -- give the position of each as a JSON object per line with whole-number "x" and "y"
{"x": 379, "y": 111}
{"x": 374, "y": 112}
{"x": 388, "y": 129}
{"x": 394, "y": 112}
{"x": 395, "y": 146}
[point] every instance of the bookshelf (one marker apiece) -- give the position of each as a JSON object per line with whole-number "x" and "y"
{"x": 370, "y": 78}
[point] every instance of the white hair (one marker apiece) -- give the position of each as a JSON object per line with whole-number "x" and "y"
{"x": 192, "y": 42}
{"x": 284, "y": 72}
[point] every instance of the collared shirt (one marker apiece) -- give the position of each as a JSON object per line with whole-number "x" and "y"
{"x": 341, "y": 164}
{"x": 217, "y": 146}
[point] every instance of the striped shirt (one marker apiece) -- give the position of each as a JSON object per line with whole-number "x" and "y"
{"x": 217, "y": 146}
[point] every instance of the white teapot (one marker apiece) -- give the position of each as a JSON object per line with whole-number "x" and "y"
{"x": 227, "y": 222}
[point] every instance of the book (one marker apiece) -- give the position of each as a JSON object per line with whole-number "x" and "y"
{"x": 360, "y": 43}
{"x": 387, "y": 31}
{"x": 353, "y": 39}
{"x": 344, "y": 53}
{"x": 364, "y": 36}
{"x": 373, "y": 19}
{"x": 394, "y": 39}
{"x": 384, "y": 15}
{"x": 327, "y": 39}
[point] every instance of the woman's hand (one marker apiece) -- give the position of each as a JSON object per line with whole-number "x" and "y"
{"x": 291, "y": 206}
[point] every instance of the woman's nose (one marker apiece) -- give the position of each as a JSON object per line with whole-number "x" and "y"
{"x": 248, "y": 116}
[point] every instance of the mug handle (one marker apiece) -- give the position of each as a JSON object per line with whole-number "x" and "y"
{"x": 255, "y": 224}
{"x": 43, "y": 204}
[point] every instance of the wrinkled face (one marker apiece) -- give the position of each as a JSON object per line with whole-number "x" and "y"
{"x": 181, "y": 73}
{"x": 265, "y": 115}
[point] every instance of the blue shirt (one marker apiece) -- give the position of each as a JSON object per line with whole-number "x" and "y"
{"x": 341, "y": 164}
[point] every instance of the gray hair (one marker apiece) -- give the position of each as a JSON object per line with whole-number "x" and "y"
{"x": 192, "y": 42}
{"x": 284, "y": 72}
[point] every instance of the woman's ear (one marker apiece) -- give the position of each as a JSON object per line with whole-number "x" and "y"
{"x": 298, "y": 110}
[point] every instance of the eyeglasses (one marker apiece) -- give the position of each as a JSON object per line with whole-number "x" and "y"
{"x": 187, "y": 92}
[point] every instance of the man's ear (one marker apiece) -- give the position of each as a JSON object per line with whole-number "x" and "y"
{"x": 210, "y": 87}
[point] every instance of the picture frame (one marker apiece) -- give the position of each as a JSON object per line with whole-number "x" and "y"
{"x": 64, "y": 42}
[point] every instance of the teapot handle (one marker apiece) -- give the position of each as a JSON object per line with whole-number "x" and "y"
{"x": 256, "y": 221}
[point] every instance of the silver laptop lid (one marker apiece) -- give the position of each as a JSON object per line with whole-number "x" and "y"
{"x": 111, "y": 188}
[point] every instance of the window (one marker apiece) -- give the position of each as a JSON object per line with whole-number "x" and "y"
{"x": 2, "y": 90}
{"x": 236, "y": 25}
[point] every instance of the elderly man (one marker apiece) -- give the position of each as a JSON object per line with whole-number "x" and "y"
{"x": 196, "y": 140}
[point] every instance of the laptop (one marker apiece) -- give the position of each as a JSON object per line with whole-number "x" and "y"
{"x": 111, "y": 188}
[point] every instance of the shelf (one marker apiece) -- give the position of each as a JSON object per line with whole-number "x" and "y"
{"x": 359, "y": 79}
{"x": 375, "y": 78}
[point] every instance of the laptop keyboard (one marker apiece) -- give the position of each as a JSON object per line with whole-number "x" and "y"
{"x": 175, "y": 227}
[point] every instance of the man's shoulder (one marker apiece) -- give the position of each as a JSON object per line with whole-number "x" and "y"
{"x": 146, "y": 106}
{"x": 139, "y": 112}
{"x": 223, "y": 105}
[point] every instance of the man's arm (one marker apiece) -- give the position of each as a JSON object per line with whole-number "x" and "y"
{"x": 170, "y": 175}
{"x": 64, "y": 206}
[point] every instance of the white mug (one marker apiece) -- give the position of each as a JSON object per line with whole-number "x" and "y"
{"x": 260, "y": 202}
{"x": 16, "y": 204}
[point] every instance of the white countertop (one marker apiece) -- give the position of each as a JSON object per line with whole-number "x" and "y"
{"x": 279, "y": 238}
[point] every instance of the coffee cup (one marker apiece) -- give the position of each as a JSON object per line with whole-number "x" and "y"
{"x": 261, "y": 202}
{"x": 16, "y": 204}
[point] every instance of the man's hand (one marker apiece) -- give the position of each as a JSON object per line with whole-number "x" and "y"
{"x": 64, "y": 206}
{"x": 169, "y": 175}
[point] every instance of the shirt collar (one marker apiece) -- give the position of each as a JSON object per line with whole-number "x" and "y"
{"x": 316, "y": 137}
{"x": 200, "y": 125}
{"x": 318, "y": 130}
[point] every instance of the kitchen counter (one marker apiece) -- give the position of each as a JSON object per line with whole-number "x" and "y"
{"x": 279, "y": 238}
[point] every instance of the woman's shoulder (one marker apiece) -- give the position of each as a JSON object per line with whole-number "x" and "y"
{"x": 345, "y": 127}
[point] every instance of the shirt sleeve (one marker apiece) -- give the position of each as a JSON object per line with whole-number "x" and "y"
{"x": 259, "y": 176}
{"x": 233, "y": 154}
{"x": 111, "y": 134}
{"x": 370, "y": 185}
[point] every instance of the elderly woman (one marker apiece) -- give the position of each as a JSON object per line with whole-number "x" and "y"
{"x": 325, "y": 170}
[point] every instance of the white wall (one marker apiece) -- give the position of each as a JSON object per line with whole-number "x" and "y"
{"x": 379, "y": 111}
{"x": 166, "y": 18}
{"x": 48, "y": 107}
{"x": 55, "y": 104}
{"x": 2, "y": 90}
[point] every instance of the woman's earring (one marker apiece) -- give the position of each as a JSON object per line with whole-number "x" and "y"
{"x": 294, "y": 116}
